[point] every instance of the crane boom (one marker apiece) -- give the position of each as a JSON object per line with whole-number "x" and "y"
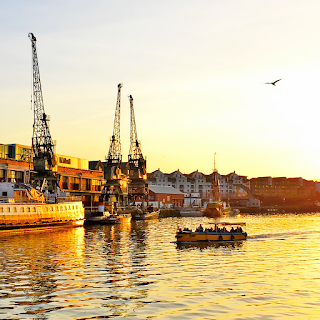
{"x": 138, "y": 188}
{"x": 135, "y": 152}
{"x": 114, "y": 154}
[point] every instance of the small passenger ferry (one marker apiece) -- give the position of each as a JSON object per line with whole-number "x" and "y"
{"x": 220, "y": 231}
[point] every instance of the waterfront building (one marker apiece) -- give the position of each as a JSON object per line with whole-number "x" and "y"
{"x": 286, "y": 189}
{"x": 165, "y": 197}
{"x": 232, "y": 186}
{"x": 75, "y": 176}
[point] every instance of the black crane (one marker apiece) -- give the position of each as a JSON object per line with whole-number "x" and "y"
{"x": 115, "y": 187}
{"x": 138, "y": 188}
{"x": 114, "y": 157}
{"x": 42, "y": 143}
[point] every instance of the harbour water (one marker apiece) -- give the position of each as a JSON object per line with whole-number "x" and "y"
{"x": 136, "y": 271}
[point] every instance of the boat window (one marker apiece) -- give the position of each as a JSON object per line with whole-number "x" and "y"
{"x": 34, "y": 209}
{"x": 46, "y": 209}
{"x": 8, "y": 209}
{"x": 69, "y": 207}
{"x": 15, "y": 209}
{"x": 1, "y": 209}
{"x": 22, "y": 209}
{"x": 51, "y": 208}
{"x": 28, "y": 209}
{"x": 76, "y": 206}
{"x": 72, "y": 207}
{"x": 61, "y": 209}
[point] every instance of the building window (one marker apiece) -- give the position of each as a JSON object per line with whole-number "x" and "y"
{"x": 11, "y": 175}
{"x": 65, "y": 182}
{"x": 19, "y": 176}
{"x": 88, "y": 184}
{"x": 2, "y": 175}
{"x": 96, "y": 185}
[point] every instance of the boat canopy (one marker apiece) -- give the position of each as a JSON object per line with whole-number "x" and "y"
{"x": 229, "y": 223}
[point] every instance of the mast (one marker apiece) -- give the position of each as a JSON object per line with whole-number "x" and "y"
{"x": 215, "y": 182}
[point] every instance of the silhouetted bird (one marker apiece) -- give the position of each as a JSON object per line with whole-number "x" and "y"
{"x": 274, "y": 82}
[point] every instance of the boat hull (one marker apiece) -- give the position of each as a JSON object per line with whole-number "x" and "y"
{"x": 185, "y": 236}
{"x": 102, "y": 220}
{"x": 147, "y": 215}
{"x": 191, "y": 213}
{"x": 33, "y": 215}
{"x": 125, "y": 217}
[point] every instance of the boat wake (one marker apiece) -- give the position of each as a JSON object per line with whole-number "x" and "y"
{"x": 282, "y": 235}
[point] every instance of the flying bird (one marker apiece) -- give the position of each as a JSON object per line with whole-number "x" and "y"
{"x": 274, "y": 82}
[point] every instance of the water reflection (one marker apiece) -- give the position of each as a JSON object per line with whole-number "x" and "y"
{"x": 206, "y": 245}
{"x": 136, "y": 271}
{"x": 30, "y": 262}
{"x": 121, "y": 253}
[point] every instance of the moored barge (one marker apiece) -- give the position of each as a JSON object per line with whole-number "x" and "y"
{"x": 22, "y": 206}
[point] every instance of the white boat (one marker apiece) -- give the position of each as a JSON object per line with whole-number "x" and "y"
{"x": 22, "y": 206}
{"x": 102, "y": 218}
{"x": 192, "y": 212}
{"x": 147, "y": 215}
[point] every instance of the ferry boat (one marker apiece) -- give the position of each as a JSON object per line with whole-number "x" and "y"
{"x": 222, "y": 231}
{"x": 22, "y": 206}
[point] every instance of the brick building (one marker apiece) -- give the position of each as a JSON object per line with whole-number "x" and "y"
{"x": 164, "y": 196}
{"x": 284, "y": 189}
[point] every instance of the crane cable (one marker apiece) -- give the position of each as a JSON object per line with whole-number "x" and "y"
{"x": 31, "y": 80}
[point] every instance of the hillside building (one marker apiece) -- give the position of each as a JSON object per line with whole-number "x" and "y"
{"x": 197, "y": 184}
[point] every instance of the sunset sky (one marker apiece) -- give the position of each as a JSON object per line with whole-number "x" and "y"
{"x": 196, "y": 71}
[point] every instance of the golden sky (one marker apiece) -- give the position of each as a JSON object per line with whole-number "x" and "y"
{"x": 196, "y": 71}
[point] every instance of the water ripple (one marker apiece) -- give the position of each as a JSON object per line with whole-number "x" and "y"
{"x": 137, "y": 271}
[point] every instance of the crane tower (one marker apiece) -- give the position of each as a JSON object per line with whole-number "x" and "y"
{"x": 42, "y": 143}
{"x": 138, "y": 187}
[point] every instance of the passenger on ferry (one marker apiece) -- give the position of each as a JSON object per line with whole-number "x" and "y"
{"x": 199, "y": 229}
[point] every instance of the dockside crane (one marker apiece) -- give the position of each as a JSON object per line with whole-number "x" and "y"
{"x": 114, "y": 157}
{"x": 42, "y": 143}
{"x": 138, "y": 188}
{"x": 114, "y": 190}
